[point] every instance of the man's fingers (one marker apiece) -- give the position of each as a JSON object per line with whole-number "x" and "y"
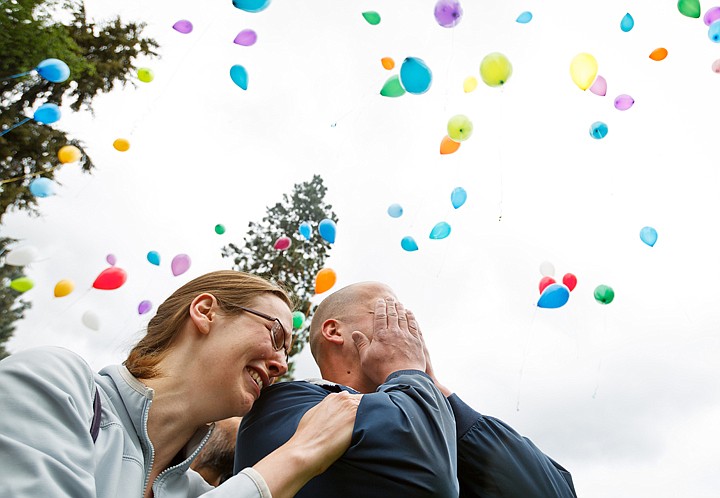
{"x": 413, "y": 326}
{"x": 403, "y": 321}
{"x": 361, "y": 341}
{"x": 380, "y": 315}
{"x": 392, "y": 312}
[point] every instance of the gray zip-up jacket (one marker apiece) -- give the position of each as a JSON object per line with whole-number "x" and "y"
{"x": 46, "y": 411}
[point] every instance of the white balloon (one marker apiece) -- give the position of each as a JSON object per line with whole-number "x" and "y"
{"x": 22, "y": 256}
{"x": 547, "y": 269}
{"x": 91, "y": 320}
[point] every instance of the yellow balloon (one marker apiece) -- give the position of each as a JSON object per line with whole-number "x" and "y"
{"x": 121, "y": 144}
{"x": 495, "y": 69}
{"x": 583, "y": 70}
{"x": 470, "y": 84}
{"x": 69, "y": 154}
{"x": 63, "y": 288}
{"x": 145, "y": 75}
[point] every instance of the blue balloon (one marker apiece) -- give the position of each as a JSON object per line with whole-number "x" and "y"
{"x": 53, "y": 70}
{"x": 648, "y": 235}
{"x": 524, "y": 18}
{"x": 714, "y": 32}
{"x": 327, "y": 230}
{"x": 598, "y": 130}
{"x": 415, "y": 76}
{"x": 305, "y": 230}
{"x": 409, "y": 244}
{"x": 154, "y": 257}
{"x": 627, "y": 23}
{"x": 42, "y": 187}
{"x": 251, "y": 5}
{"x": 239, "y": 76}
{"x": 440, "y": 231}
{"x": 47, "y": 114}
{"x": 395, "y": 210}
{"x": 554, "y": 296}
{"x": 458, "y": 197}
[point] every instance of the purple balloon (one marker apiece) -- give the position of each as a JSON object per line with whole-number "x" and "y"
{"x": 246, "y": 37}
{"x": 144, "y": 307}
{"x": 448, "y": 13}
{"x": 111, "y": 259}
{"x": 712, "y": 15}
{"x": 624, "y": 102}
{"x": 183, "y": 27}
{"x": 599, "y": 87}
{"x": 180, "y": 264}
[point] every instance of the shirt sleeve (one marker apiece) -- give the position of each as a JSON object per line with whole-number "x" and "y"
{"x": 248, "y": 483}
{"x": 495, "y": 461}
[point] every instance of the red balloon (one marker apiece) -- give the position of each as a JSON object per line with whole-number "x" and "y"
{"x": 544, "y": 282}
{"x": 570, "y": 281}
{"x": 110, "y": 278}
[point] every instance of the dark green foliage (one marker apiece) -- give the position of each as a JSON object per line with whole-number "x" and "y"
{"x": 11, "y": 309}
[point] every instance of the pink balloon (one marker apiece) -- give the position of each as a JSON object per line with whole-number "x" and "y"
{"x": 144, "y": 307}
{"x": 712, "y": 15}
{"x": 111, "y": 259}
{"x": 282, "y": 243}
{"x": 246, "y": 37}
{"x": 624, "y": 102}
{"x": 599, "y": 86}
{"x": 183, "y": 26}
{"x": 180, "y": 264}
{"x": 110, "y": 278}
{"x": 716, "y": 66}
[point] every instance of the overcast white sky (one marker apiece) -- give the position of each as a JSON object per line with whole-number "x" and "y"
{"x": 626, "y": 396}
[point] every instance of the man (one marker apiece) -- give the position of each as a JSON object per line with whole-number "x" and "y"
{"x": 215, "y": 460}
{"x": 403, "y": 442}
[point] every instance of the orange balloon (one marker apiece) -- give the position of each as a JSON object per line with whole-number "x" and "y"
{"x": 121, "y": 144}
{"x": 324, "y": 280}
{"x": 659, "y": 54}
{"x": 448, "y": 145}
{"x": 387, "y": 63}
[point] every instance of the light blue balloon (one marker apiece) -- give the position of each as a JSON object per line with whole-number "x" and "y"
{"x": 395, "y": 210}
{"x": 154, "y": 257}
{"x": 305, "y": 230}
{"x": 598, "y": 130}
{"x": 458, "y": 197}
{"x": 47, "y": 114}
{"x": 327, "y": 230}
{"x": 415, "y": 76}
{"x": 440, "y": 231}
{"x": 627, "y": 23}
{"x": 42, "y": 187}
{"x": 409, "y": 244}
{"x": 251, "y": 5}
{"x": 554, "y": 296}
{"x": 524, "y": 18}
{"x": 53, "y": 70}
{"x": 239, "y": 76}
{"x": 714, "y": 32}
{"x": 649, "y": 235}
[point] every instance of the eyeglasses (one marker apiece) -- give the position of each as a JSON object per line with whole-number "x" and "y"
{"x": 277, "y": 332}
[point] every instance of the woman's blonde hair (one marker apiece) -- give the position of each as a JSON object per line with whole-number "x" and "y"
{"x": 231, "y": 289}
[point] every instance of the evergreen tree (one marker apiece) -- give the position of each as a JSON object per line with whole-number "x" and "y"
{"x": 11, "y": 309}
{"x": 293, "y": 268}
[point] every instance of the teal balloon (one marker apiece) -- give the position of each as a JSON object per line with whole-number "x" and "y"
{"x": 440, "y": 231}
{"x": 251, "y": 5}
{"x": 42, "y": 187}
{"x": 458, "y": 197}
{"x": 524, "y": 18}
{"x": 415, "y": 76}
{"x": 627, "y": 23}
{"x": 649, "y": 235}
{"x": 395, "y": 210}
{"x": 154, "y": 258}
{"x": 554, "y": 296}
{"x": 305, "y": 230}
{"x": 714, "y": 32}
{"x": 327, "y": 230}
{"x": 598, "y": 130}
{"x": 53, "y": 70}
{"x": 239, "y": 76}
{"x": 409, "y": 244}
{"x": 47, "y": 114}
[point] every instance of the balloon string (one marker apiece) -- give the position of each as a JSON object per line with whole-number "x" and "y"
{"x": 16, "y": 75}
{"x": 14, "y": 126}
{"x": 597, "y": 381}
{"x": 29, "y": 175}
{"x": 525, "y": 354}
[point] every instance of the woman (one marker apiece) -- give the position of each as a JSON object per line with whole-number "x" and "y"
{"x": 132, "y": 430}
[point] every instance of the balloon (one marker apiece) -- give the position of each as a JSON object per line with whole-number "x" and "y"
{"x": 121, "y": 145}
{"x": 144, "y": 307}
{"x": 154, "y": 258}
{"x": 22, "y": 256}
{"x": 459, "y": 128}
{"x": 372, "y": 17}
{"x": 409, "y": 244}
{"x": 470, "y": 84}
{"x": 544, "y": 282}
{"x": 448, "y": 13}
{"x": 554, "y": 296}
{"x": 63, "y": 288}
{"x": 448, "y": 145}
{"x": 183, "y": 26}
{"x": 604, "y": 294}
{"x": 458, "y": 197}
{"x": 47, "y": 114}
{"x": 598, "y": 130}
{"x": 298, "y": 319}
{"x": 624, "y": 102}
{"x": 239, "y": 76}
{"x": 180, "y": 264}
{"x": 111, "y": 259}
{"x": 395, "y": 210}
{"x": 570, "y": 281}
{"x": 53, "y": 70}
{"x": 69, "y": 154}
{"x": 392, "y": 87}
{"x": 219, "y": 229}
{"x": 387, "y": 63}
{"x": 648, "y": 235}
{"x": 324, "y": 280}
{"x": 251, "y": 5}
{"x": 110, "y": 278}
{"x": 547, "y": 269}
{"x": 22, "y": 284}
{"x": 246, "y": 38}
{"x": 627, "y": 23}
{"x": 327, "y": 230}
{"x": 524, "y": 18}
{"x": 583, "y": 69}
{"x": 91, "y": 320}
{"x": 282, "y": 243}
{"x": 440, "y": 231}
{"x": 712, "y": 15}
{"x": 714, "y": 32}
{"x": 495, "y": 69}
{"x": 145, "y": 75}
{"x": 659, "y": 54}
{"x": 599, "y": 87}
{"x": 42, "y": 187}
{"x": 415, "y": 76}
{"x": 689, "y": 8}
{"x": 716, "y": 66}
{"x": 305, "y": 230}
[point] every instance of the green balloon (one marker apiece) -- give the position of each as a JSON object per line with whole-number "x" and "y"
{"x": 604, "y": 294}
{"x": 219, "y": 229}
{"x": 392, "y": 87}
{"x": 690, "y": 8}
{"x": 22, "y": 284}
{"x": 495, "y": 69}
{"x": 372, "y": 17}
{"x": 298, "y": 319}
{"x": 459, "y": 128}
